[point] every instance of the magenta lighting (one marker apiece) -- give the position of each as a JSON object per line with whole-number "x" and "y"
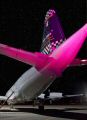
{"x": 58, "y": 61}
{"x": 56, "y": 54}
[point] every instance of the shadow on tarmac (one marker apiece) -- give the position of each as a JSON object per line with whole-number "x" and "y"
{"x": 64, "y": 113}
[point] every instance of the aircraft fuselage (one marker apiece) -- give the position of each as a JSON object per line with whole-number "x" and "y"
{"x": 31, "y": 84}
{"x": 34, "y": 81}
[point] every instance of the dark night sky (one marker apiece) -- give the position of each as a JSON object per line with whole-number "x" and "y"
{"x": 21, "y": 26}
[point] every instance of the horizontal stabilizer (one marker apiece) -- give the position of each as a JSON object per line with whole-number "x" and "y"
{"x": 67, "y": 52}
{"x": 36, "y": 59}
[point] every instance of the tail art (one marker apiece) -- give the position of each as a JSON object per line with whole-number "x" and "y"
{"x": 53, "y": 34}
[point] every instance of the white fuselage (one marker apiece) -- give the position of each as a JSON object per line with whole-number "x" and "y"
{"x": 34, "y": 81}
{"x": 31, "y": 84}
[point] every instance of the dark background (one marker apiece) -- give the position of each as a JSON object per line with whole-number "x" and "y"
{"x": 21, "y": 26}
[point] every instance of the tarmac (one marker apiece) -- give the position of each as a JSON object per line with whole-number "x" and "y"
{"x": 51, "y": 112}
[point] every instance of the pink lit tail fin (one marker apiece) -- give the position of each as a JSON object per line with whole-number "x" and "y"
{"x": 22, "y": 55}
{"x": 67, "y": 52}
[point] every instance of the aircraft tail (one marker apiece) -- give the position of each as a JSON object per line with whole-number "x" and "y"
{"x": 53, "y": 34}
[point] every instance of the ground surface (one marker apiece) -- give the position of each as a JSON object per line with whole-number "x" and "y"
{"x": 59, "y": 112}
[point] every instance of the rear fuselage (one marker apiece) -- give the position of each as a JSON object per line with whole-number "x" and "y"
{"x": 31, "y": 84}
{"x": 34, "y": 81}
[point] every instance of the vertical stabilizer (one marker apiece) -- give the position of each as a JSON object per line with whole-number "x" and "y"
{"x": 53, "y": 34}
